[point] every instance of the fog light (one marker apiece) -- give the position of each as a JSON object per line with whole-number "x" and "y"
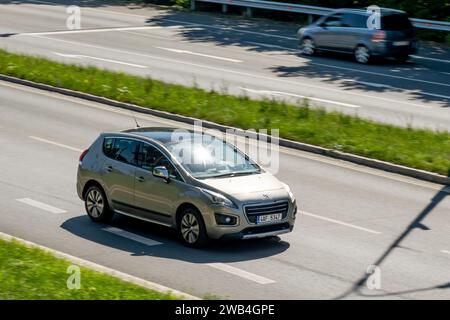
{"x": 227, "y": 220}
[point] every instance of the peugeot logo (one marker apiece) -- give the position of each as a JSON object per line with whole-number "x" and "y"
{"x": 265, "y": 196}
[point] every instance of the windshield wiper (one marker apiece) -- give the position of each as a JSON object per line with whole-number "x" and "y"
{"x": 234, "y": 174}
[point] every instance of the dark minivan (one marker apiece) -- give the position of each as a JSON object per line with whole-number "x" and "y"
{"x": 346, "y": 30}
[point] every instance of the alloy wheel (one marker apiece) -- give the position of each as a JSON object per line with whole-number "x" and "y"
{"x": 362, "y": 54}
{"x": 95, "y": 203}
{"x": 308, "y": 46}
{"x": 190, "y": 228}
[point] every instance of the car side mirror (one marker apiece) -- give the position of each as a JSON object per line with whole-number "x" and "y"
{"x": 161, "y": 172}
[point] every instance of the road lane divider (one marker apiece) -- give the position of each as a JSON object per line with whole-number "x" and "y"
{"x": 131, "y": 236}
{"x": 41, "y": 205}
{"x": 241, "y": 273}
{"x": 305, "y": 213}
{"x": 93, "y": 30}
{"x": 80, "y": 56}
{"x": 445, "y": 251}
{"x": 56, "y": 144}
{"x": 199, "y": 54}
{"x": 280, "y": 93}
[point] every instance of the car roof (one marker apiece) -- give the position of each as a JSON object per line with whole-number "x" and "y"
{"x": 384, "y": 11}
{"x": 164, "y": 135}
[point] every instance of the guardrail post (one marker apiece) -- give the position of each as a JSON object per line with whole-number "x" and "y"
{"x": 224, "y": 8}
{"x": 248, "y": 12}
{"x": 192, "y": 5}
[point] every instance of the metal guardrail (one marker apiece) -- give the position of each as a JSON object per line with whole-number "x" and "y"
{"x": 309, "y": 10}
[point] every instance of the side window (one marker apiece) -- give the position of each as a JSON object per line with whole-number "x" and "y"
{"x": 108, "y": 145}
{"x": 355, "y": 21}
{"x": 124, "y": 150}
{"x": 334, "y": 21}
{"x": 150, "y": 157}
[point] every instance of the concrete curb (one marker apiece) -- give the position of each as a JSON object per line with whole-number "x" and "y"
{"x": 377, "y": 164}
{"x": 99, "y": 268}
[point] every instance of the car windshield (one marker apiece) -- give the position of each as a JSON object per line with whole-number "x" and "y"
{"x": 211, "y": 158}
{"x": 395, "y": 22}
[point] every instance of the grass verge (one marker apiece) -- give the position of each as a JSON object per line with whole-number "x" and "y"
{"x": 33, "y": 274}
{"x": 421, "y": 149}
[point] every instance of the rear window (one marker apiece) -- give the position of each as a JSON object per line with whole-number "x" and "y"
{"x": 395, "y": 22}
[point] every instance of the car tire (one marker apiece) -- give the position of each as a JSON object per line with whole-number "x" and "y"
{"x": 362, "y": 54}
{"x": 191, "y": 228}
{"x": 307, "y": 46}
{"x": 96, "y": 205}
{"x": 402, "y": 58}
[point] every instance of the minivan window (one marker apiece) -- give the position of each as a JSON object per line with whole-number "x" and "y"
{"x": 395, "y": 22}
{"x": 355, "y": 20}
{"x": 123, "y": 150}
{"x": 334, "y": 20}
{"x": 108, "y": 145}
{"x": 149, "y": 157}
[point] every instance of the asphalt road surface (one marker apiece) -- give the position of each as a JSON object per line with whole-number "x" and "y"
{"x": 351, "y": 217}
{"x": 229, "y": 54}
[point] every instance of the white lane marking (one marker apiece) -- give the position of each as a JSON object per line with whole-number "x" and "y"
{"x": 445, "y": 251}
{"x": 432, "y": 59}
{"x": 91, "y": 30}
{"x": 131, "y": 236}
{"x": 241, "y": 273}
{"x": 56, "y": 144}
{"x": 430, "y": 94}
{"x": 339, "y": 222}
{"x": 80, "y": 56}
{"x": 41, "y": 205}
{"x": 371, "y": 84}
{"x": 199, "y": 54}
{"x": 271, "y": 46}
{"x": 235, "y": 72}
{"x": 285, "y": 150}
{"x": 300, "y": 96}
{"x": 380, "y": 85}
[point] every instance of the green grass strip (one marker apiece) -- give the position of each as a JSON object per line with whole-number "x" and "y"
{"x": 33, "y": 274}
{"x": 422, "y": 149}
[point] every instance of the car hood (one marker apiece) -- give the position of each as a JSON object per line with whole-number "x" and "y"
{"x": 243, "y": 187}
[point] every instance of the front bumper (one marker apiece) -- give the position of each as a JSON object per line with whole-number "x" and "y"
{"x": 245, "y": 229}
{"x": 260, "y": 232}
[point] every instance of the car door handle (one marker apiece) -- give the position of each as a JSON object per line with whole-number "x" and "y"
{"x": 109, "y": 168}
{"x": 141, "y": 179}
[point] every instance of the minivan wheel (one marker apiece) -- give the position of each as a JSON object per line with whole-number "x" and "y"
{"x": 307, "y": 46}
{"x": 96, "y": 205}
{"x": 191, "y": 228}
{"x": 362, "y": 54}
{"x": 402, "y": 58}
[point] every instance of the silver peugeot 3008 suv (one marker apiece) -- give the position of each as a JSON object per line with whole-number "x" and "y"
{"x": 181, "y": 183}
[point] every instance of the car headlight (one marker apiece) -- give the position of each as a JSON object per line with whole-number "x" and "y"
{"x": 288, "y": 190}
{"x": 217, "y": 198}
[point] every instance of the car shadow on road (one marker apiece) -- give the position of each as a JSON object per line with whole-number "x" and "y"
{"x": 172, "y": 247}
{"x": 339, "y": 69}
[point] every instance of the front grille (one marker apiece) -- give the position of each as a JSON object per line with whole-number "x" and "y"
{"x": 254, "y": 210}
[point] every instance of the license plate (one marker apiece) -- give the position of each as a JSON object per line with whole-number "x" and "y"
{"x": 269, "y": 218}
{"x": 401, "y": 43}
